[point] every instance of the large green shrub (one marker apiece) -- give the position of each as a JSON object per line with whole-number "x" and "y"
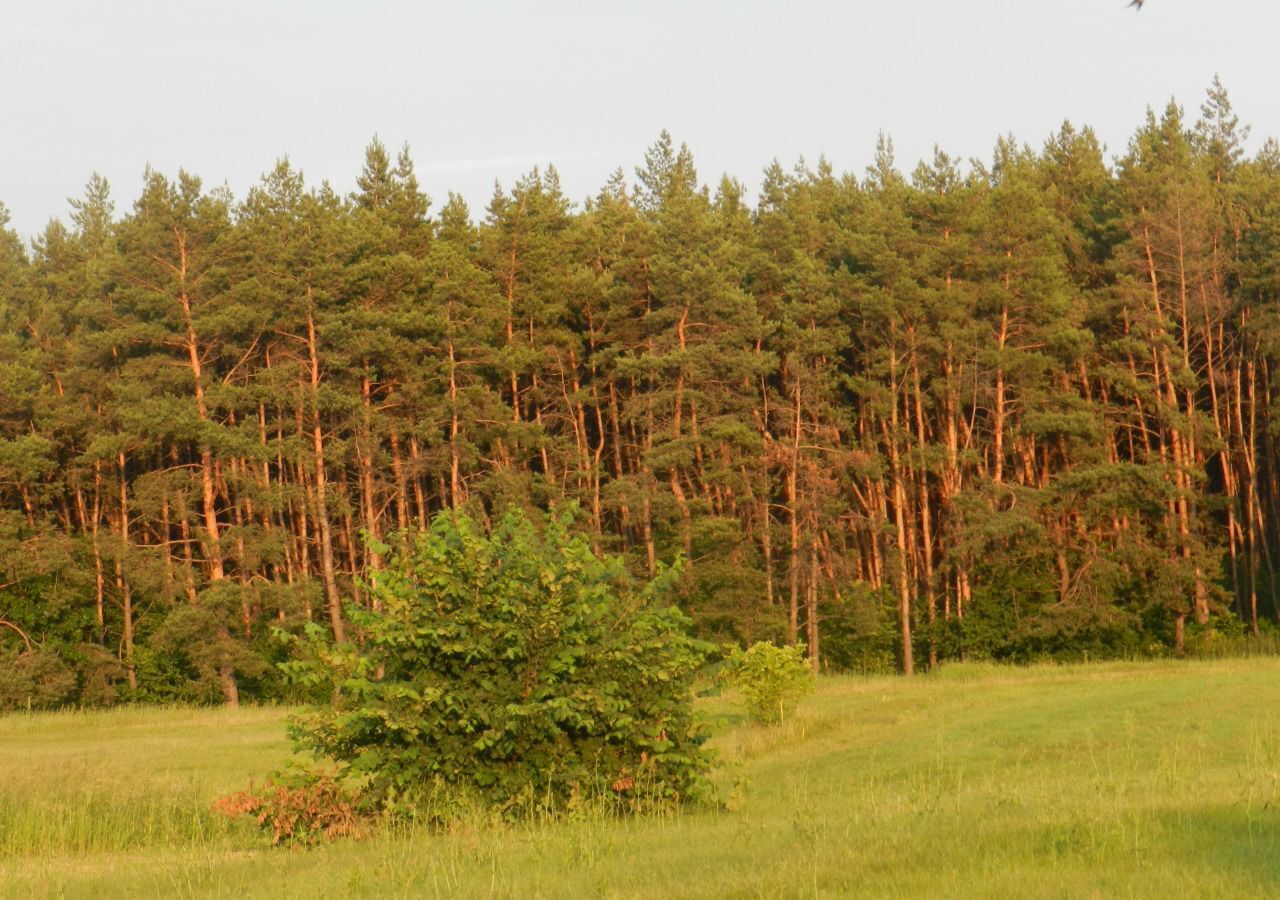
{"x": 517, "y": 668}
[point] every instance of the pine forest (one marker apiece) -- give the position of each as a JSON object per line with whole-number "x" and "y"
{"x": 1020, "y": 409}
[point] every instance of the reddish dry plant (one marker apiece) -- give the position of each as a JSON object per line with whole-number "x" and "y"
{"x": 625, "y": 780}
{"x": 307, "y": 814}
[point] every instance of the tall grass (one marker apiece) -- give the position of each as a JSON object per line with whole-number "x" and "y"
{"x": 129, "y": 779}
{"x": 1217, "y": 645}
{"x": 1125, "y": 779}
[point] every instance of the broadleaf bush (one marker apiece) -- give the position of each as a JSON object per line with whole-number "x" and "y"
{"x": 771, "y": 679}
{"x": 515, "y": 669}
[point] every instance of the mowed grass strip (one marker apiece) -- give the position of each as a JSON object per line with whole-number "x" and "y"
{"x": 129, "y": 779}
{"x": 1111, "y": 780}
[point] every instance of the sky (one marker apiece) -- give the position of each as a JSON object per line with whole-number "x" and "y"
{"x": 486, "y": 89}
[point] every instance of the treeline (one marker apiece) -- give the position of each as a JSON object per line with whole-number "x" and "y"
{"x": 1011, "y": 410}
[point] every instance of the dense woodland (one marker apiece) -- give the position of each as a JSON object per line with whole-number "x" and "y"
{"x": 1012, "y": 410}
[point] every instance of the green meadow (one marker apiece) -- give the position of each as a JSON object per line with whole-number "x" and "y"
{"x": 1111, "y": 780}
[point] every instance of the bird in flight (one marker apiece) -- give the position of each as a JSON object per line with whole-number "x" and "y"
{"x": 1136, "y": 3}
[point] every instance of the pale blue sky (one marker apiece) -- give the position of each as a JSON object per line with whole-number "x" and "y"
{"x": 486, "y": 89}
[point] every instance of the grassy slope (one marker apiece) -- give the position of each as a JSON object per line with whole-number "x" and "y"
{"x": 1153, "y": 779}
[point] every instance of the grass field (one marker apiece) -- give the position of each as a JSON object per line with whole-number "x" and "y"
{"x": 1117, "y": 780}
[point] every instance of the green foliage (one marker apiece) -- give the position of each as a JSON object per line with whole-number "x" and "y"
{"x": 517, "y": 667}
{"x": 772, "y": 679}
{"x": 859, "y": 634}
{"x": 209, "y": 636}
{"x": 1008, "y": 411}
{"x": 34, "y": 680}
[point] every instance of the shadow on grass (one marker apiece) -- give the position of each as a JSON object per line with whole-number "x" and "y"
{"x": 1204, "y": 845}
{"x": 1230, "y": 840}
{"x": 719, "y": 721}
